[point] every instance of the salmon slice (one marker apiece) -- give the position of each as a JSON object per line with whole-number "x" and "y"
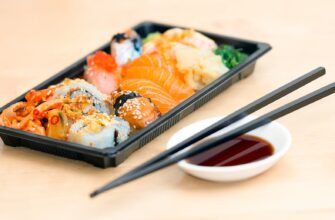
{"x": 159, "y": 70}
{"x": 158, "y": 95}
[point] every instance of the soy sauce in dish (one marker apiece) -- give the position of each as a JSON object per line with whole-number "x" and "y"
{"x": 241, "y": 150}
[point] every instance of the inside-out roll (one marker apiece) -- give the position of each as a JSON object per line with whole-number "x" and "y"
{"x": 79, "y": 87}
{"x": 99, "y": 131}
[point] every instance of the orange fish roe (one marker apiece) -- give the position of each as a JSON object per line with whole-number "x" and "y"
{"x": 102, "y": 60}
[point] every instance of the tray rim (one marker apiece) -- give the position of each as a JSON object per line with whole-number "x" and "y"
{"x": 110, "y": 152}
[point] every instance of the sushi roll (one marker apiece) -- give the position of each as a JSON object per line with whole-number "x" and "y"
{"x": 86, "y": 96}
{"x": 99, "y": 131}
{"x": 103, "y": 72}
{"x": 137, "y": 110}
{"x": 126, "y": 47}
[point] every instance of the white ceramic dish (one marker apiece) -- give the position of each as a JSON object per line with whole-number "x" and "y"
{"x": 273, "y": 132}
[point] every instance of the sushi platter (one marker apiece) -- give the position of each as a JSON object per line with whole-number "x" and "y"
{"x": 127, "y": 92}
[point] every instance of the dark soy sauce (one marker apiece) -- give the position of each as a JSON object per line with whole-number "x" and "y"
{"x": 241, "y": 150}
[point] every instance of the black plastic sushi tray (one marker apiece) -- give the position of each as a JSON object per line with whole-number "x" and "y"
{"x": 111, "y": 157}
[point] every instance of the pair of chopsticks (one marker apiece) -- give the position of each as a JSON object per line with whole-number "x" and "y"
{"x": 173, "y": 155}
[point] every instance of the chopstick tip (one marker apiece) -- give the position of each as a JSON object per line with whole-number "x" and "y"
{"x": 95, "y": 193}
{"x": 102, "y": 190}
{"x": 322, "y": 69}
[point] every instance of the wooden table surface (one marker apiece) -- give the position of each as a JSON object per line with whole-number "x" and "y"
{"x": 39, "y": 38}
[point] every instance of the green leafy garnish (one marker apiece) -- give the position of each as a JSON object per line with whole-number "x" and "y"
{"x": 152, "y": 36}
{"x": 230, "y": 56}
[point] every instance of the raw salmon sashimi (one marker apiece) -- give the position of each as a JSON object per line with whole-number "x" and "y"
{"x": 149, "y": 89}
{"x": 156, "y": 68}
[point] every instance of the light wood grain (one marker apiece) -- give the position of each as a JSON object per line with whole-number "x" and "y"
{"x": 39, "y": 38}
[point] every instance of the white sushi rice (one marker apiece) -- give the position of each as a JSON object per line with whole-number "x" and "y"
{"x": 106, "y": 131}
{"x": 124, "y": 52}
{"x": 81, "y": 87}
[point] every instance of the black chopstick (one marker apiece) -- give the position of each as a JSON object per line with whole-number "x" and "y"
{"x": 241, "y": 113}
{"x": 258, "y": 122}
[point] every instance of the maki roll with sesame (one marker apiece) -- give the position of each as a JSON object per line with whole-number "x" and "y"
{"x": 126, "y": 47}
{"x": 137, "y": 110}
